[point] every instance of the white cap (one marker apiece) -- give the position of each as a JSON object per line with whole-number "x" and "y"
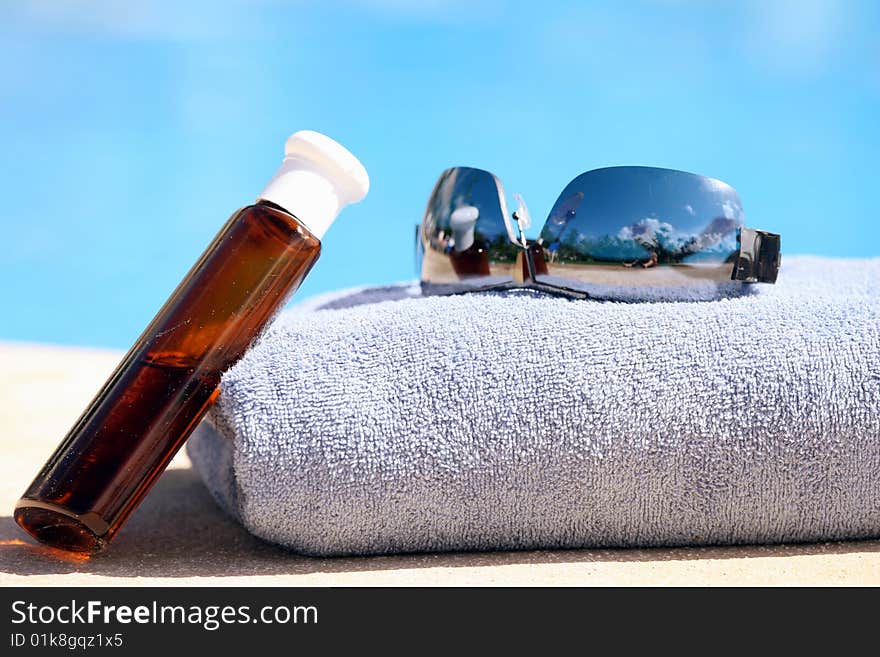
{"x": 317, "y": 178}
{"x": 463, "y": 221}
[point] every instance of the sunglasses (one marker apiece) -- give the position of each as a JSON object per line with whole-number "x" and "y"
{"x": 619, "y": 233}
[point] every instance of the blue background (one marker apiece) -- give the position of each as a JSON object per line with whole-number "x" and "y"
{"x": 131, "y": 130}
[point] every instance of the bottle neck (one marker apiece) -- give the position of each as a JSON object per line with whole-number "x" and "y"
{"x": 306, "y": 191}
{"x": 275, "y": 206}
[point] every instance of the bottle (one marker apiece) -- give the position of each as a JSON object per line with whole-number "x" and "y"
{"x": 168, "y": 380}
{"x": 468, "y": 258}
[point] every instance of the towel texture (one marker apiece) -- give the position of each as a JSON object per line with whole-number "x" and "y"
{"x": 390, "y": 422}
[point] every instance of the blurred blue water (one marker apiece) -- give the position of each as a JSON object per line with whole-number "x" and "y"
{"x": 130, "y": 131}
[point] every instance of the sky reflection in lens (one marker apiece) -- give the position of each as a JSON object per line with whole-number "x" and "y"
{"x": 461, "y": 187}
{"x": 622, "y": 214}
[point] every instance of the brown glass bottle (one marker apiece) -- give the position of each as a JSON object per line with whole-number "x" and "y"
{"x": 539, "y": 262}
{"x": 163, "y": 387}
{"x": 168, "y": 380}
{"x": 473, "y": 261}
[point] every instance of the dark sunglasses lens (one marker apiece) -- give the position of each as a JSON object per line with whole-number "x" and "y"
{"x": 465, "y": 239}
{"x": 613, "y": 230}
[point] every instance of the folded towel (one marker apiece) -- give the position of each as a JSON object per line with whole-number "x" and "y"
{"x": 519, "y": 420}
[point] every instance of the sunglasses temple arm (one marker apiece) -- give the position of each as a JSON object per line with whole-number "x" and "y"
{"x": 759, "y": 256}
{"x": 419, "y": 250}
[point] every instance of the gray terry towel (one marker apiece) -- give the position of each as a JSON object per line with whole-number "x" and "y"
{"x": 518, "y": 420}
